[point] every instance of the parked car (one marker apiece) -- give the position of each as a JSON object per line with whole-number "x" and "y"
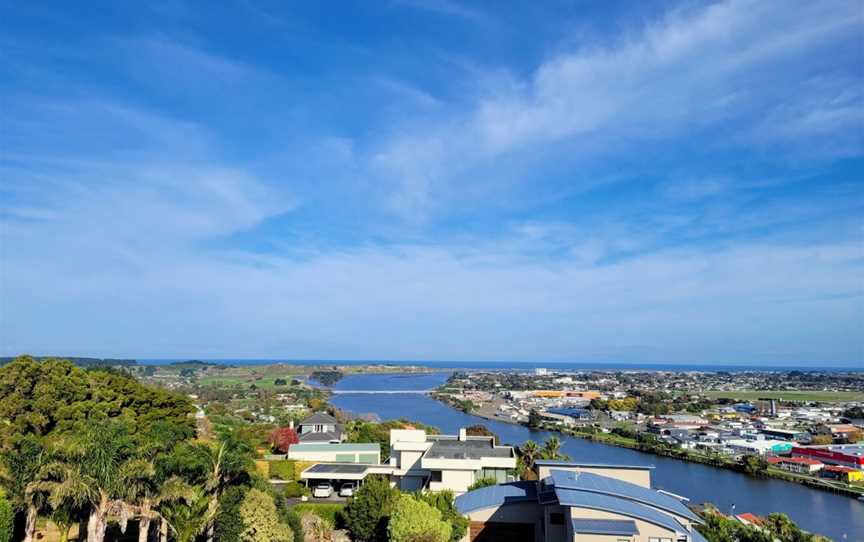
{"x": 322, "y": 490}
{"x": 347, "y": 489}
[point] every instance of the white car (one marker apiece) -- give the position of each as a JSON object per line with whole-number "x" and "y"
{"x": 347, "y": 489}
{"x": 322, "y": 491}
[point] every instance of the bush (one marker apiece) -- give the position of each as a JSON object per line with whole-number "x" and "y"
{"x": 483, "y": 482}
{"x": 444, "y": 502}
{"x": 282, "y": 470}
{"x": 413, "y": 520}
{"x": 258, "y": 511}
{"x": 327, "y": 512}
{"x": 366, "y": 514}
{"x": 7, "y": 520}
{"x": 294, "y": 490}
{"x": 228, "y": 522}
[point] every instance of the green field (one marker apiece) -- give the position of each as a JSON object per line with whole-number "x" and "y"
{"x": 790, "y": 395}
{"x": 266, "y": 382}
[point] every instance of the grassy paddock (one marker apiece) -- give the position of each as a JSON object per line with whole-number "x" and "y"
{"x": 788, "y": 395}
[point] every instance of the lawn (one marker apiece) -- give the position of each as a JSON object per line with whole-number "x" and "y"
{"x": 267, "y": 382}
{"x": 788, "y": 395}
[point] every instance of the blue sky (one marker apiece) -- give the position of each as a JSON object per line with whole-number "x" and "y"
{"x": 433, "y": 179}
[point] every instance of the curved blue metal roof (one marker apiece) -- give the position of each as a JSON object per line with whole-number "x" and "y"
{"x": 487, "y": 497}
{"x": 618, "y": 505}
{"x": 587, "y": 481}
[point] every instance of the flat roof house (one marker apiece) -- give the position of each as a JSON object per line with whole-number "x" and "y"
{"x": 453, "y": 462}
{"x": 572, "y": 503}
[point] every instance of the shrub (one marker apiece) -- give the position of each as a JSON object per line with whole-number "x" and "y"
{"x": 483, "y": 482}
{"x": 444, "y": 502}
{"x": 294, "y": 490}
{"x": 228, "y": 523}
{"x": 7, "y": 520}
{"x": 262, "y": 524}
{"x": 366, "y": 514}
{"x": 413, "y": 520}
{"x": 282, "y": 470}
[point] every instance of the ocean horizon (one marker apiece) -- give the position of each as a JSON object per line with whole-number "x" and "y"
{"x": 516, "y": 365}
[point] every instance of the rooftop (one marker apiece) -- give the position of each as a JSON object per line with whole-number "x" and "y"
{"x": 338, "y": 447}
{"x": 319, "y": 418}
{"x": 446, "y": 448}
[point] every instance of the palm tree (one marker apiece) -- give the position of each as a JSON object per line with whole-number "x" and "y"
{"x": 529, "y": 452}
{"x": 64, "y": 488}
{"x": 18, "y": 468}
{"x": 229, "y": 462}
{"x": 552, "y": 448}
{"x": 188, "y": 514}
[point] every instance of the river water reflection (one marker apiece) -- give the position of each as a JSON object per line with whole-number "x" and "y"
{"x": 839, "y": 517}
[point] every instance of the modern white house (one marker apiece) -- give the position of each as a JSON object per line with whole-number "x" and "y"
{"x": 573, "y": 502}
{"x": 417, "y": 461}
{"x": 454, "y": 462}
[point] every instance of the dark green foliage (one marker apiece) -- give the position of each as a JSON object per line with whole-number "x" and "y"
{"x": 329, "y": 512}
{"x": 7, "y": 520}
{"x": 280, "y": 382}
{"x": 290, "y": 517}
{"x": 753, "y": 465}
{"x": 365, "y": 516}
{"x": 779, "y": 527}
{"x": 534, "y": 419}
{"x": 327, "y": 378}
{"x": 229, "y": 523}
{"x": 480, "y": 430}
{"x": 21, "y": 461}
{"x": 55, "y": 396}
{"x": 444, "y": 502}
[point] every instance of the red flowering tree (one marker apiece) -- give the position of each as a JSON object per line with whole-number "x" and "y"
{"x": 282, "y": 438}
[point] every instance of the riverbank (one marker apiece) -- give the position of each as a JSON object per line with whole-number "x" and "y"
{"x": 612, "y": 439}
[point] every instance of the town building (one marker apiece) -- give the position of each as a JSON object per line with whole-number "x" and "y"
{"x": 800, "y": 465}
{"x": 574, "y": 502}
{"x": 844, "y": 455}
{"x": 844, "y": 474}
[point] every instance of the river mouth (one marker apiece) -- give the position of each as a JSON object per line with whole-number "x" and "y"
{"x": 397, "y": 396}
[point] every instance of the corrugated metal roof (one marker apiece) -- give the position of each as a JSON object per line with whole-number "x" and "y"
{"x": 587, "y": 481}
{"x": 697, "y": 536}
{"x": 617, "y": 505}
{"x": 496, "y": 495}
{"x": 622, "y": 527}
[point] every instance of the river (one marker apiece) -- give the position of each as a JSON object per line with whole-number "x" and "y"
{"x": 836, "y": 516}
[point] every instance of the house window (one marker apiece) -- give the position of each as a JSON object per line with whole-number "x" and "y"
{"x": 556, "y": 518}
{"x": 436, "y": 476}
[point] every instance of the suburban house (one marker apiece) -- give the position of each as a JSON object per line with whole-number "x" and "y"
{"x": 320, "y": 427}
{"x": 575, "y": 502}
{"x": 417, "y": 461}
{"x": 336, "y": 452}
{"x": 453, "y": 462}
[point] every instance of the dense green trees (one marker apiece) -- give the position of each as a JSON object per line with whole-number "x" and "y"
{"x": 366, "y": 515}
{"x": 775, "y": 528}
{"x": 91, "y": 447}
{"x": 7, "y": 519}
{"x": 261, "y": 522}
{"x": 412, "y": 520}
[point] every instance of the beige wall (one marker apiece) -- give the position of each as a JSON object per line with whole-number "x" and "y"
{"x": 455, "y": 480}
{"x": 641, "y": 477}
